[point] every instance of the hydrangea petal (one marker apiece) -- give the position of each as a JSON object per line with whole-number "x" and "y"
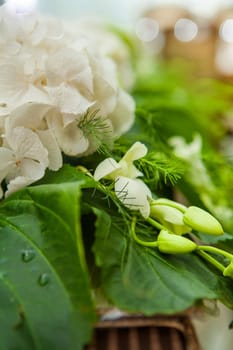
{"x": 16, "y": 88}
{"x": 54, "y": 153}
{"x": 6, "y": 157}
{"x": 32, "y": 169}
{"x": 6, "y": 161}
{"x": 68, "y": 99}
{"x": 84, "y": 80}
{"x": 70, "y": 138}
{"x": 11, "y": 80}
{"x": 65, "y": 65}
{"x": 27, "y": 144}
{"x": 123, "y": 115}
{"x": 29, "y": 115}
{"x": 105, "y": 84}
{"x": 105, "y": 68}
{"x": 18, "y": 183}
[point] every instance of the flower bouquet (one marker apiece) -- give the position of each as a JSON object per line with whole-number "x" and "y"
{"x": 107, "y": 197}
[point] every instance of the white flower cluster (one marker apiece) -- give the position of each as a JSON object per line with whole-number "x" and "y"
{"x": 59, "y": 94}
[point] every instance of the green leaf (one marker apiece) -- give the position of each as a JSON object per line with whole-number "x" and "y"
{"x": 140, "y": 279}
{"x": 15, "y": 331}
{"x": 43, "y": 269}
{"x": 66, "y": 174}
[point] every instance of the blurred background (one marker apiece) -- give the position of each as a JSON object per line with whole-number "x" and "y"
{"x": 201, "y": 31}
{"x": 198, "y": 31}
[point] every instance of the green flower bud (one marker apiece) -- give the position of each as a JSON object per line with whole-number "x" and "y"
{"x": 168, "y": 216}
{"x": 172, "y": 244}
{"x": 201, "y": 220}
{"x": 228, "y": 271}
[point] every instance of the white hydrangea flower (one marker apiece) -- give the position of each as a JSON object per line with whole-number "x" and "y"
{"x": 134, "y": 194}
{"x": 78, "y": 89}
{"x": 52, "y": 66}
{"x": 52, "y": 82}
{"x": 131, "y": 191}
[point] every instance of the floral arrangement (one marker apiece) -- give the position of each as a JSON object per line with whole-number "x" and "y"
{"x": 97, "y": 208}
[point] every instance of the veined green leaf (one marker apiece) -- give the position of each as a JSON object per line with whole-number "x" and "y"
{"x": 43, "y": 269}
{"x": 141, "y": 279}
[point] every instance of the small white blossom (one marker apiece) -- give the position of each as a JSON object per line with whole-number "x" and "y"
{"x": 109, "y": 168}
{"x": 185, "y": 150}
{"x": 191, "y": 153}
{"x": 134, "y": 194}
{"x": 131, "y": 191}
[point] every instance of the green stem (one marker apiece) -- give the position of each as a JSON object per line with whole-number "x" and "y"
{"x": 138, "y": 240}
{"x": 171, "y": 204}
{"x": 211, "y": 260}
{"x": 156, "y": 224}
{"x": 216, "y": 250}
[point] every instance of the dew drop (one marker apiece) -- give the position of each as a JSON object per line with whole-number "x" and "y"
{"x": 27, "y": 255}
{"x": 43, "y": 279}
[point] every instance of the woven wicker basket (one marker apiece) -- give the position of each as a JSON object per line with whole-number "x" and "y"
{"x": 145, "y": 333}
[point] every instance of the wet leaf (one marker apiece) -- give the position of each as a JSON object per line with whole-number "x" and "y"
{"x": 43, "y": 269}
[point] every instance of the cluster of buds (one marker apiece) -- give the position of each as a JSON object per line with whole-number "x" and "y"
{"x": 171, "y": 218}
{"x": 177, "y": 220}
{"x": 174, "y": 219}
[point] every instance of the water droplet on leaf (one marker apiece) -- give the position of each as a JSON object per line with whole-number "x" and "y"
{"x": 43, "y": 279}
{"x": 27, "y": 255}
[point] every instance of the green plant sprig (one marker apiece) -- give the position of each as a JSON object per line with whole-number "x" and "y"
{"x": 107, "y": 189}
{"x": 96, "y": 127}
{"x": 158, "y": 167}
